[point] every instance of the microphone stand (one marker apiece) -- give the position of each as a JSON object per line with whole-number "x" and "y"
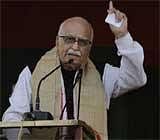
{"x": 79, "y": 91}
{"x": 37, "y": 114}
{"x": 38, "y": 98}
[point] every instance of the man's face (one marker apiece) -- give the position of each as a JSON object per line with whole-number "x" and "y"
{"x": 74, "y": 43}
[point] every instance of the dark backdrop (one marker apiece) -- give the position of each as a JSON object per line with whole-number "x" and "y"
{"x": 29, "y": 29}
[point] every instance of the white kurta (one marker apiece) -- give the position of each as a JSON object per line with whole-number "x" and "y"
{"x": 131, "y": 73}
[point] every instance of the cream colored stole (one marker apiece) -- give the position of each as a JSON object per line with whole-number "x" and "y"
{"x": 92, "y": 104}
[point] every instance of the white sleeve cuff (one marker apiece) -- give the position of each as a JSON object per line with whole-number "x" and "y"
{"x": 124, "y": 42}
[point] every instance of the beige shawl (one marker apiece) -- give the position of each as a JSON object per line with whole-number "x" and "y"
{"x": 92, "y": 104}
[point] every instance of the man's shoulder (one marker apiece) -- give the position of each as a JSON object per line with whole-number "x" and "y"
{"x": 49, "y": 54}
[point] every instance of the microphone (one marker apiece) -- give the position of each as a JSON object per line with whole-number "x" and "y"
{"x": 37, "y": 114}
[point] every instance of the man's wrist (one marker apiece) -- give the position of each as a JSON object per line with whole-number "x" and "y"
{"x": 119, "y": 35}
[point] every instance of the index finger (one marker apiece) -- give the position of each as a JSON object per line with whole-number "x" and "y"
{"x": 110, "y": 5}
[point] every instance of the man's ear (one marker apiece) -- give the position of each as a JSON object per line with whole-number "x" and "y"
{"x": 57, "y": 41}
{"x": 89, "y": 50}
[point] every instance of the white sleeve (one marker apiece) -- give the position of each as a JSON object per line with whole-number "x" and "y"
{"x": 131, "y": 73}
{"x": 20, "y": 98}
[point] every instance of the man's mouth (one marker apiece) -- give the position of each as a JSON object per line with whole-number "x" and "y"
{"x": 73, "y": 54}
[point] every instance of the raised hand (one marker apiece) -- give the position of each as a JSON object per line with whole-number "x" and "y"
{"x": 123, "y": 29}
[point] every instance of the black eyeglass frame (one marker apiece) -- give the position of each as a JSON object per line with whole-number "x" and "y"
{"x": 68, "y": 39}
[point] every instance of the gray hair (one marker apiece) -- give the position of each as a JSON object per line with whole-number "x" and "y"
{"x": 77, "y": 19}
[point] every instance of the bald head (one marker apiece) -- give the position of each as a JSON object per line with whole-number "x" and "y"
{"x": 76, "y": 26}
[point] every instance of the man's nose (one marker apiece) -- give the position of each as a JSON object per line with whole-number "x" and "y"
{"x": 75, "y": 45}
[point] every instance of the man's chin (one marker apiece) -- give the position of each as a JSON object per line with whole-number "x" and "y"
{"x": 71, "y": 67}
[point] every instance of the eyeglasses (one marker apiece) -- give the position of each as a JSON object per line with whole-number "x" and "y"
{"x": 70, "y": 40}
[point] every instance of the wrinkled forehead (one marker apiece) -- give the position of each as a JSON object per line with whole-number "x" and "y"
{"x": 76, "y": 27}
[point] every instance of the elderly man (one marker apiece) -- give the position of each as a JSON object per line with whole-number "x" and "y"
{"x": 73, "y": 44}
